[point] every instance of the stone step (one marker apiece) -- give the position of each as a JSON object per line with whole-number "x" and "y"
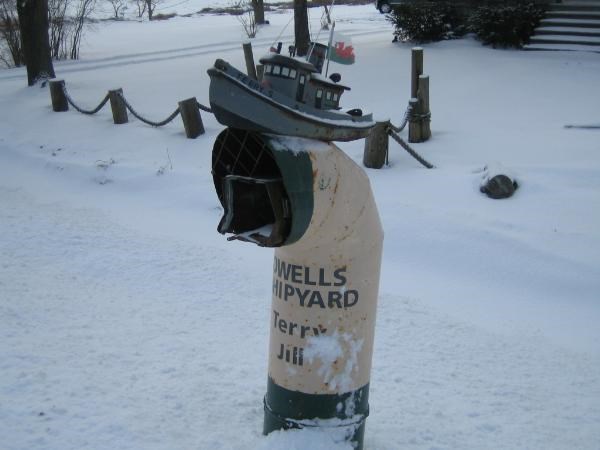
{"x": 571, "y": 25}
{"x": 577, "y": 2}
{"x": 565, "y": 40}
{"x": 563, "y": 47}
{"x": 575, "y": 8}
{"x": 580, "y": 23}
{"x": 567, "y": 31}
{"x": 583, "y": 15}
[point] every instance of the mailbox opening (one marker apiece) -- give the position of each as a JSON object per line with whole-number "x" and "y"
{"x": 250, "y": 188}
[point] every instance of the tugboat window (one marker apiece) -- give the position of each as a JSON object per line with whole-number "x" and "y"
{"x": 319, "y": 98}
{"x": 268, "y": 68}
{"x": 285, "y": 71}
{"x": 328, "y": 95}
{"x": 276, "y": 70}
{"x": 335, "y": 97}
{"x": 300, "y": 91}
{"x": 293, "y": 73}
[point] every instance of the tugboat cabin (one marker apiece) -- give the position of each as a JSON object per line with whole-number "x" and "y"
{"x": 286, "y": 75}
{"x": 324, "y": 93}
{"x": 301, "y": 81}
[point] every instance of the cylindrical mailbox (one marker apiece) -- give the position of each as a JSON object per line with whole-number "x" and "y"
{"x": 313, "y": 203}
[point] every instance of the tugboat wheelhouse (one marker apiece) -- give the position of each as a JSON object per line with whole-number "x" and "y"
{"x": 281, "y": 74}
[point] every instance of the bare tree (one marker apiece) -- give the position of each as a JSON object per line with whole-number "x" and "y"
{"x": 67, "y": 32}
{"x": 33, "y": 25}
{"x": 63, "y": 34}
{"x": 119, "y": 7}
{"x": 59, "y": 25}
{"x": 301, "y": 32}
{"x": 84, "y": 9}
{"x": 150, "y": 7}
{"x": 247, "y": 18}
{"x": 141, "y": 7}
{"x": 10, "y": 35}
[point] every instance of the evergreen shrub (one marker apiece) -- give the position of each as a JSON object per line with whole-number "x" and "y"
{"x": 505, "y": 26}
{"x": 508, "y": 23}
{"x": 425, "y": 21}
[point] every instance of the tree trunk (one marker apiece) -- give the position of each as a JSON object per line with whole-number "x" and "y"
{"x": 301, "y": 32}
{"x": 259, "y": 11}
{"x": 33, "y": 22}
{"x": 150, "y": 9}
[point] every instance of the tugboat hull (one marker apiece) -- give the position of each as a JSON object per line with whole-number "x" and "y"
{"x": 241, "y": 102}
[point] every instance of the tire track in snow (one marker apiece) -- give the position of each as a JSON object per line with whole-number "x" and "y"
{"x": 161, "y": 55}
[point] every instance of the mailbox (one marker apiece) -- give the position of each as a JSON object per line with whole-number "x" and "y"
{"x": 314, "y": 205}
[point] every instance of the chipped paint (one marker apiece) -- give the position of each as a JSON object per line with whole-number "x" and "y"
{"x": 329, "y": 284}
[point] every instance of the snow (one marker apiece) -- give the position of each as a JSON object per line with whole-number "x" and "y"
{"x": 127, "y": 321}
{"x": 297, "y": 145}
{"x": 325, "y": 350}
{"x": 317, "y": 439}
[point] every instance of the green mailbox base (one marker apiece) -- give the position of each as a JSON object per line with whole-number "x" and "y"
{"x": 285, "y": 409}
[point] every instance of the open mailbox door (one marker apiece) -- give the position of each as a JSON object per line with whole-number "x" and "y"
{"x": 255, "y": 210}
{"x": 266, "y": 191}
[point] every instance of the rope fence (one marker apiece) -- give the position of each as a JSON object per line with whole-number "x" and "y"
{"x": 417, "y": 117}
{"x": 410, "y": 116}
{"x": 148, "y": 121}
{"x": 189, "y": 109}
{"x": 376, "y": 152}
{"x": 410, "y": 150}
{"x": 404, "y": 122}
{"x": 204, "y": 108}
{"x": 85, "y": 111}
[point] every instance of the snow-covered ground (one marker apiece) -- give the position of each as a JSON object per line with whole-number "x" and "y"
{"x": 128, "y": 322}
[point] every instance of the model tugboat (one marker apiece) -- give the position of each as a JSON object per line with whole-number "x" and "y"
{"x": 292, "y": 99}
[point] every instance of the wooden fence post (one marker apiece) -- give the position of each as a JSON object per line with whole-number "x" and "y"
{"x": 190, "y": 115}
{"x": 58, "y": 97}
{"x": 119, "y": 110}
{"x": 423, "y": 96}
{"x": 414, "y": 124}
{"x": 416, "y": 70}
{"x": 376, "y": 145}
{"x": 260, "y": 71}
{"x": 250, "y": 67}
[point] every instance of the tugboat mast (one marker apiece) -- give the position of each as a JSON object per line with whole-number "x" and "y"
{"x": 329, "y": 47}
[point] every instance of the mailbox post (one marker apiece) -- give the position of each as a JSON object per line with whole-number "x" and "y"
{"x": 313, "y": 204}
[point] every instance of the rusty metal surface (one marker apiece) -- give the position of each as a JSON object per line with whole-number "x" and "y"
{"x": 325, "y": 285}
